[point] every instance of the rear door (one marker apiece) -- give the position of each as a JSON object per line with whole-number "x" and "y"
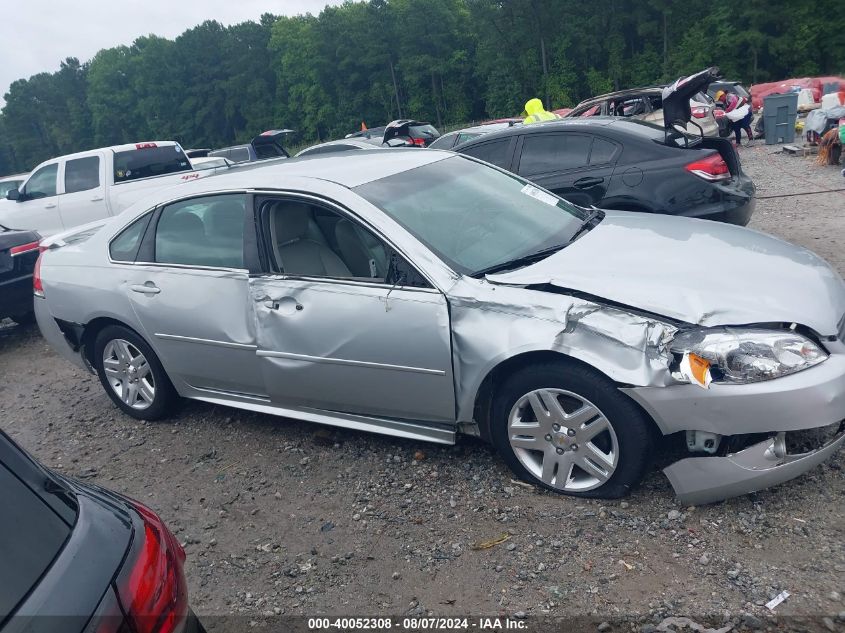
{"x": 38, "y": 205}
{"x": 189, "y": 289}
{"x": 575, "y": 166}
{"x": 83, "y": 190}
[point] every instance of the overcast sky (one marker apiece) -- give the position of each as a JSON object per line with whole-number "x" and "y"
{"x": 38, "y": 34}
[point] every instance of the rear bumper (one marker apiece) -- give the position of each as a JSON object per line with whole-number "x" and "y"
{"x": 54, "y": 336}
{"x": 700, "y": 480}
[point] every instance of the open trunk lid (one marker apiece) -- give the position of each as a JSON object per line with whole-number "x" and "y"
{"x": 677, "y": 110}
{"x": 269, "y": 144}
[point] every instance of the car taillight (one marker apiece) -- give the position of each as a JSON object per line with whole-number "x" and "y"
{"x": 718, "y": 113}
{"x": 419, "y": 142}
{"x": 23, "y": 248}
{"x": 711, "y": 168}
{"x": 699, "y": 112}
{"x": 151, "y": 587}
{"x": 37, "y": 285}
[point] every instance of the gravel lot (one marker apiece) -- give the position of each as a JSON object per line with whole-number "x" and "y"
{"x": 286, "y": 517}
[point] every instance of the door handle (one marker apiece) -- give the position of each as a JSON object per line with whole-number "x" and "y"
{"x": 148, "y": 289}
{"x": 284, "y": 305}
{"x": 96, "y": 198}
{"x": 589, "y": 181}
{"x": 50, "y": 205}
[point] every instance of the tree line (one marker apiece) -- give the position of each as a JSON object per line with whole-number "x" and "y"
{"x": 442, "y": 61}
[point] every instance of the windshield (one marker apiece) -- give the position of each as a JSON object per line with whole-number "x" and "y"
{"x": 472, "y": 216}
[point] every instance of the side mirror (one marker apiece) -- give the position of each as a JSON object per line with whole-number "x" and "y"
{"x": 13, "y": 194}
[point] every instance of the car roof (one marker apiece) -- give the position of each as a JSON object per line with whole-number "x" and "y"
{"x": 348, "y": 169}
{"x": 484, "y": 128}
{"x": 355, "y": 142}
{"x": 630, "y": 92}
{"x": 631, "y": 127}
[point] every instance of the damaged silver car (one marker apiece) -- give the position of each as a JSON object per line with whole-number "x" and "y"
{"x": 425, "y": 294}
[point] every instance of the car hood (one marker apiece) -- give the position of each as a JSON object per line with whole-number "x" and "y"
{"x": 697, "y": 271}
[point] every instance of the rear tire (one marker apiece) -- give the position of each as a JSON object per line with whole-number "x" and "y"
{"x": 567, "y": 428}
{"x": 132, "y": 375}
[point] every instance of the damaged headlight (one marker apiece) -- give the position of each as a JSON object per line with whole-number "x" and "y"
{"x": 743, "y": 355}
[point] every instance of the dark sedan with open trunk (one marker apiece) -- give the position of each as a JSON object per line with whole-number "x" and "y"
{"x": 625, "y": 164}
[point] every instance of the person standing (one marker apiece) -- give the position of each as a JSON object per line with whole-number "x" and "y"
{"x": 737, "y": 105}
{"x": 535, "y": 112}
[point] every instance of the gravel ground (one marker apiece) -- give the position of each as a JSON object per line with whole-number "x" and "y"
{"x": 286, "y": 517}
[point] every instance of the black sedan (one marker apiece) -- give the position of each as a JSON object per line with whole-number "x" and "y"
{"x": 18, "y": 254}
{"x": 625, "y": 164}
{"x": 80, "y": 558}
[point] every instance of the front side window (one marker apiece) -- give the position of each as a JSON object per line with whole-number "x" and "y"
{"x": 310, "y": 240}
{"x": 471, "y": 216}
{"x": 42, "y": 184}
{"x": 546, "y": 153}
{"x": 202, "y": 232}
{"x": 125, "y": 246}
{"x": 494, "y": 152}
{"x": 82, "y": 174}
{"x": 7, "y": 185}
{"x": 144, "y": 162}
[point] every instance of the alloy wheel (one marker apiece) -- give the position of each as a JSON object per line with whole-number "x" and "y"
{"x": 129, "y": 374}
{"x": 563, "y": 439}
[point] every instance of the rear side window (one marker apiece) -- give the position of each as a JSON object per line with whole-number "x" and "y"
{"x": 202, "y": 232}
{"x": 239, "y": 154}
{"x": 42, "y": 184}
{"x": 31, "y": 535}
{"x": 82, "y": 174}
{"x": 602, "y": 151}
{"x": 545, "y": 153}
{"x": 124, "y": 248}
{"x": 149, "y": 161}
{"x": 495, "y": 152}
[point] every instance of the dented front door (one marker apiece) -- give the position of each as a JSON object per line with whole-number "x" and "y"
{"x": 355, "y": 347}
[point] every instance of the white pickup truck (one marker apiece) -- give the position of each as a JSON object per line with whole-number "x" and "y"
{"x": 67, "y": 191}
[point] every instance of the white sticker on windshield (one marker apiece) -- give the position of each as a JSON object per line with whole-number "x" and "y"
{"x": 539, "y": 194}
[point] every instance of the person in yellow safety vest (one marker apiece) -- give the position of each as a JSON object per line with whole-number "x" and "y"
{"x": 535, "y": 112}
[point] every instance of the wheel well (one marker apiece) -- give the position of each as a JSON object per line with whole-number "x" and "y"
{"x": 497, "y": 375}
{"x": 92, "y": 329}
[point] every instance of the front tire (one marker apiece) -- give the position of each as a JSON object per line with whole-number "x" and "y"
{"x": 132, "y": 375}
{"x": 567, "y": 428}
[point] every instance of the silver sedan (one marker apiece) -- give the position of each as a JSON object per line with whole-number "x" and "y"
{"x": 424, "y": 294}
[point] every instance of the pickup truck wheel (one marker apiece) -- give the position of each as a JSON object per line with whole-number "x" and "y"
{"x": 132, "y": 375}
{"x": 567, "y": 428}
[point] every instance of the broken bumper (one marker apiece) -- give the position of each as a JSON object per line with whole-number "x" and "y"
{"x": 809, "y": 399}
{"x": 54, "y": 336}
{"x": 700, "y": 480}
